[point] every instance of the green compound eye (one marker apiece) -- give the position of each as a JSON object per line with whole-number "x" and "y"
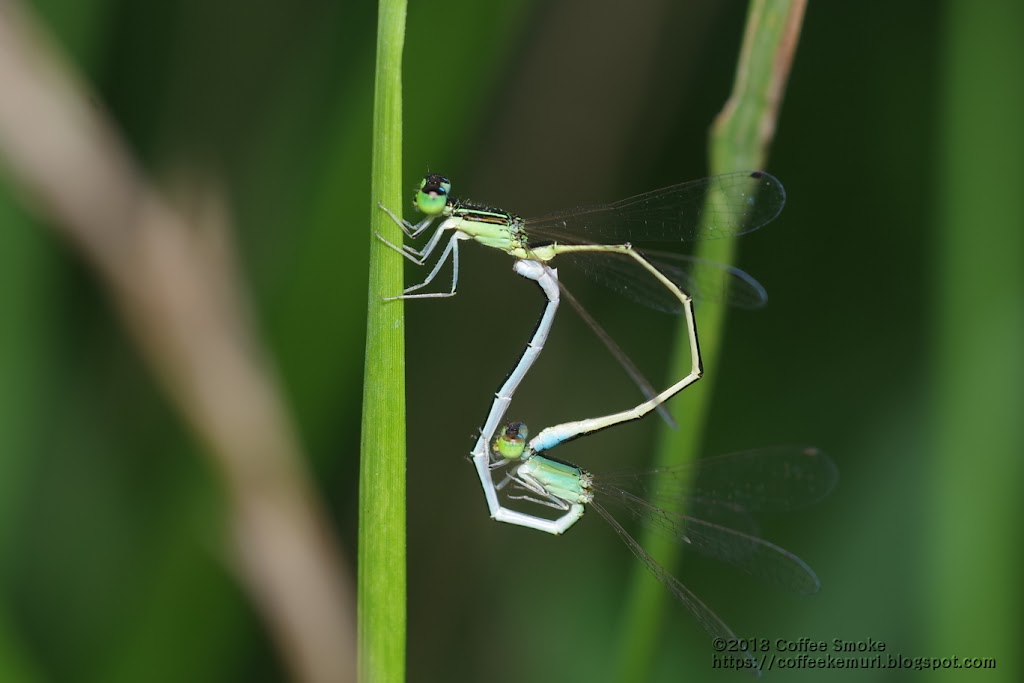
{"x": 432, "y": 196}
{"x": 512, "y": 442}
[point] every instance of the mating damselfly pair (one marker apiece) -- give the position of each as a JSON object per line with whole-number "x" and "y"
{"x": 706, "y": 506}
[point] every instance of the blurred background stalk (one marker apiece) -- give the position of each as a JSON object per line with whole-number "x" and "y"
{"x": 739, "y": 140}
{"x": 171, "y": 277}
{"x": 972, "y": 589}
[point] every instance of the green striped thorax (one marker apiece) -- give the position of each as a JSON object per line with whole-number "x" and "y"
{"x": 493, "y": 228}
{"x": 559, "y": 479}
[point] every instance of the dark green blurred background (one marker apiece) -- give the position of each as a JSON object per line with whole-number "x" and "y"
{"x": 890, "y": 339}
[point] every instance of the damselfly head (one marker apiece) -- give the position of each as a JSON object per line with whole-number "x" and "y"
{"x": 432, "y": 196}
{"x": 511, "y": 443}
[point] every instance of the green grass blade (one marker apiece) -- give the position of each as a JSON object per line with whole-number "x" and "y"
{"x": 973, "y": 560}
{"x": 381, "y": 581}
{"x": 739, "y": 140}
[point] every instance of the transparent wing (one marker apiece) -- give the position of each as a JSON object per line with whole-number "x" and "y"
{"x": 745, "y": 551}
{"x": 709, "y": 621}
{"x": 777, "y": 478}
{"x": 713, "y": 517}
{"x": 631, "y": 369}
{"x": 703, "y": 280}
{"x": 709, "y": 208}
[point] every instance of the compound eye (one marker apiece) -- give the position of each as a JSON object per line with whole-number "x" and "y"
{"x": 516, "y": 430}
{"x": 438, "y": 180}
{"x": 432, "y": 196}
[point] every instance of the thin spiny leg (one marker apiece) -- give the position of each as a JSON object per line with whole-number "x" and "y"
{"x": 407, "y": 254}
{"x": 453, "y": 248}
{"x": 504, "y": 482}
{"x": 555, "y": 502}
{"x": 530, "y": 484}
{"x": 410, "y": 230}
